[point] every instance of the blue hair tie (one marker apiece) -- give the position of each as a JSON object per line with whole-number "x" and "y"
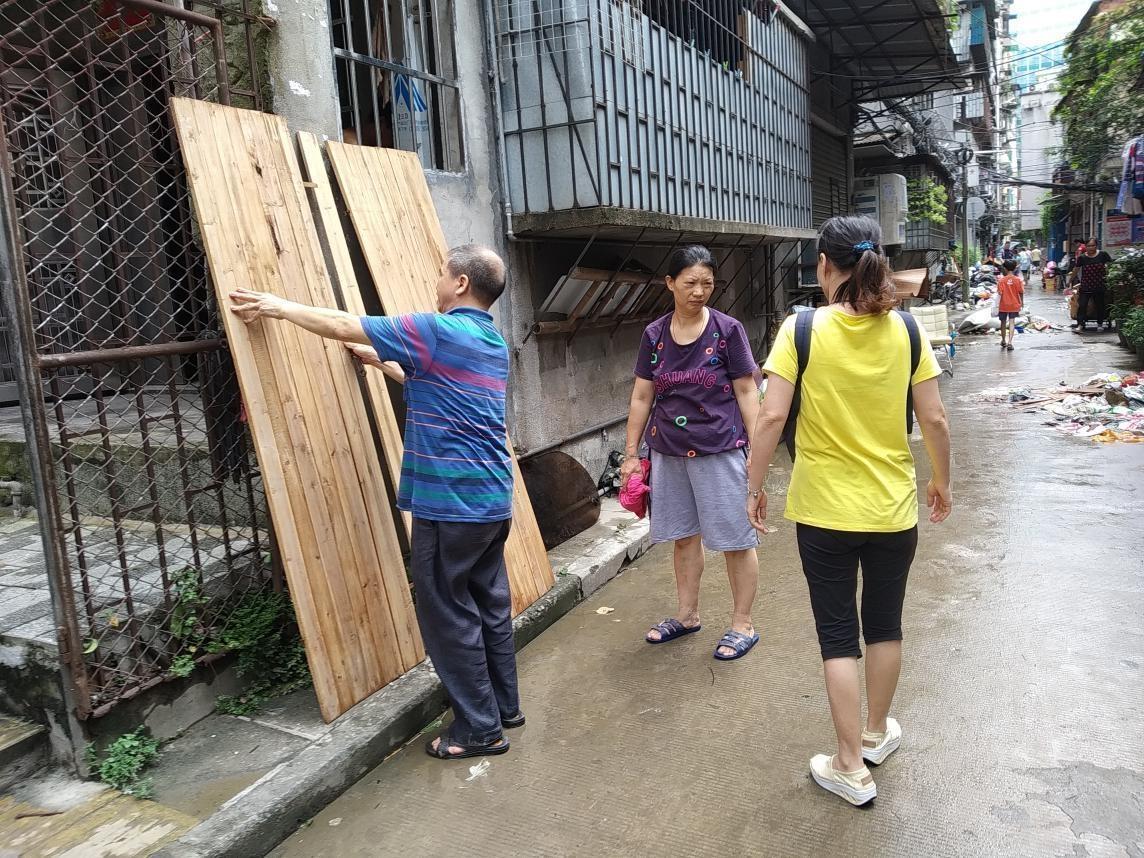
{"x": 862, "y": 246}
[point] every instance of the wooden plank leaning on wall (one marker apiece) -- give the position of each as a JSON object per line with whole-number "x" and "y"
{"x": 314, "y": 169}
{"x": 392, "y": 212}
{"x": 323, "y": 479}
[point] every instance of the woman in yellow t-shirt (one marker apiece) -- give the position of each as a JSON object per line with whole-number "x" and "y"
{"x": 853, "y": 492}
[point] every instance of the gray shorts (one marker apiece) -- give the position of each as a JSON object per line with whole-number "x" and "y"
{"x": 704, "y": 495}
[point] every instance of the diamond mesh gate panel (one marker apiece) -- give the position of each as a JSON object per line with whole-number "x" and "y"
{"x": 154, "y": 507}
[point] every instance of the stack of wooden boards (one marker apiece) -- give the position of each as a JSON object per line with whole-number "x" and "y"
{"x": 322, "y": 473}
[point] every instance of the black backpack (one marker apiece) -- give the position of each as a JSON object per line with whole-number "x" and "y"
{"x": 803, "y": 323}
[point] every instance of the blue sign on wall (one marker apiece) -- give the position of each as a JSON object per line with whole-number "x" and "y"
{"x": 977, "y": 26}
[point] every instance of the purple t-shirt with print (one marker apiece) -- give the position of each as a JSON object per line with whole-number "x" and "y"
{"x": 695, "y": 412}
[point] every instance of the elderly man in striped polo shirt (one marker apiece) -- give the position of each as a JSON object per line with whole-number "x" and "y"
{"x": 456, "y": 480}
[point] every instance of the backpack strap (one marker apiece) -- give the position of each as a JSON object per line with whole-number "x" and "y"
{"x": 915, "y": 359}
{"x": 803, "y": 324}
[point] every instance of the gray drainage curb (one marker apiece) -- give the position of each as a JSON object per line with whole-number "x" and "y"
{"x": 266, "y": 813}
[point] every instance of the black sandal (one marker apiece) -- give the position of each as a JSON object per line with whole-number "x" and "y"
{"x": 512, "y": 723}
{"x": 441, "y": 752}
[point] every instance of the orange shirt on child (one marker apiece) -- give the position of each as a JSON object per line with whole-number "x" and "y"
{"x": 1011, "y": 288}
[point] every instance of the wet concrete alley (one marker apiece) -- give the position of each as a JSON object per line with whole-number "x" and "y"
{"x": 1021, "y": 700}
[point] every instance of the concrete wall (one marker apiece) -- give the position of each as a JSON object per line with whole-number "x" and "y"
{"x": 1038, "y": 136}
{"x": 557, "y": 388}
{"x": 561, "y": 387}
{"x": 302, "y": 66}
{"x": 305, "y": 94}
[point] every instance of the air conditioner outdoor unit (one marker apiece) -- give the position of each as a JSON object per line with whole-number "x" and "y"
{"x": 884, "y": 199}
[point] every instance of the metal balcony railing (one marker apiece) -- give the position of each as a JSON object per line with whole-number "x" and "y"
{"x": 685, "y": 109}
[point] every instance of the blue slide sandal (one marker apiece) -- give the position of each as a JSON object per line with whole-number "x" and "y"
{"x": 669, "y": 630}
{"x": 739, "y": 642}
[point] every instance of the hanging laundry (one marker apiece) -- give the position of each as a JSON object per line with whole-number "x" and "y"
{"x": 1130, "y": 199}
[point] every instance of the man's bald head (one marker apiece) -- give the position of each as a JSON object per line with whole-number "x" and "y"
{"x": 484, "y": 269}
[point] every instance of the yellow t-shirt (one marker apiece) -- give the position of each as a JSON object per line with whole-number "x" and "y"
{"x": 854, "y": 470}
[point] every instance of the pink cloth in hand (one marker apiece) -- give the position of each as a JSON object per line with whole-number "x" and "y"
{"x": 633, "y": 494}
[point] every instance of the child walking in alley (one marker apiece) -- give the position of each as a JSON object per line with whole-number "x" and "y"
{"x": 1011, "y": 293}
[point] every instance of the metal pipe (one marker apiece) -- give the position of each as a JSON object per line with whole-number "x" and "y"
{"x": 197, "y": 19}
{"x": 17, "y": 306}
{"x": 965, "y": 156}
{"x": 498, "y": 118}
{"x": 94, "y": 356}
{"x": 565, "y": 327}
{"x": 160, "y": 8}
{"x": 576, "y": 436}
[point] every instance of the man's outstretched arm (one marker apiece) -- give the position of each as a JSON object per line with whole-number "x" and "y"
{"x": 368, "y": 357}
{"x": 332, "y": 324}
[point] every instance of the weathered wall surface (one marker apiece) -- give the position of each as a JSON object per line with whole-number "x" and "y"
{"x": 302, "y": 66}
{"x": 558, "y": 388}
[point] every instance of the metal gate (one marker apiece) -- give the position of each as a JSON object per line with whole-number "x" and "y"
{"x": 149, "y": 498}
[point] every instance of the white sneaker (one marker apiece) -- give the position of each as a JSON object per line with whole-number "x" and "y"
{"x": 856, "y": 787}
{"x": 877, "y": 746}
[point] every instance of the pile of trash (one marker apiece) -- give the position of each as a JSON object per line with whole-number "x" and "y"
{"x": 1106, "y": 408}
{"x": 984, "y": 320}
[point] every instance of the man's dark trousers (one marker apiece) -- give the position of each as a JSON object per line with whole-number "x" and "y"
{"x": 464, "y": 610}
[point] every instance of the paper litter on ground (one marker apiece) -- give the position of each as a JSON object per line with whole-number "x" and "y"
{"x": 1107, "y": 407}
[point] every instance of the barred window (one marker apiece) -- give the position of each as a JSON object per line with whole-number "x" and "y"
{"x": 396, "y": 66}
{"x": 35, "y": 152}
{"x": 715, "y": 29}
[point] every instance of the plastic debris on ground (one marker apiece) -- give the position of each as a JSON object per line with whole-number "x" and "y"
{"x": 1107, "y": 408}
{"x": 984, "y": 320}
{"x": 479, "y": 770}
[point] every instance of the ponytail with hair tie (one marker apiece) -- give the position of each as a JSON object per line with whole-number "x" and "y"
{"x": 853, "y": 245}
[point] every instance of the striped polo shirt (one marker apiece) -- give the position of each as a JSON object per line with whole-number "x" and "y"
{"x": 456, "y": 465}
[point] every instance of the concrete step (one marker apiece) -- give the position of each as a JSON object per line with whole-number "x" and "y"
{"x": 23, "y": 749}
{"x": 54, "y": 813}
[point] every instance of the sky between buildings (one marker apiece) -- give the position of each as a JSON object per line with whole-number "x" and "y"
{"x": 1045, "y": 22}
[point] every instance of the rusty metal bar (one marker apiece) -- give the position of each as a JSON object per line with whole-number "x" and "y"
{"x": 71, "y": 489}
{"x": 160, "y": 8}
{"x": 115, "y": 493}
{"x": 541, "y": 329}
{"x": 730, "y": 253}
{"x": 608, "y": 288}
{"x": 152, "y": 493}
{"x": 630, "y": 303}
{"x": 222, "y": 74}
{"x": 568, "y": 439}
{"x": 796, "y": 247}
{"x": 738, "y": 271}
{"x": 96, "y": 356}
{"x": 184, "y": 471}
{"x": 17, "y": 305}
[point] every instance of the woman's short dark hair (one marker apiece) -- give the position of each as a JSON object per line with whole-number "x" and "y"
{"x": 853, "y": 244}
{"x": 684, "y": 257}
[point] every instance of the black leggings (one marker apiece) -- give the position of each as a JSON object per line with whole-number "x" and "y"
{"x": 830, "y": 560}
{"x": 1088, "y": 303}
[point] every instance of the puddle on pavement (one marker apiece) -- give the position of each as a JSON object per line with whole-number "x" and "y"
{"x": 200, "y": 800}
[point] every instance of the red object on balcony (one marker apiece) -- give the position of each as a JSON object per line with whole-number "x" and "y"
{"x": 118, "y": 20}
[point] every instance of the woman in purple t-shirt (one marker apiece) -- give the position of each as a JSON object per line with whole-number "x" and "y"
{"x": 694, "y": 402}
